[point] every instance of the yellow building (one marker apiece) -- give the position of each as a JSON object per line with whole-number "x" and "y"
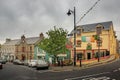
{"x": 87, "y": 44}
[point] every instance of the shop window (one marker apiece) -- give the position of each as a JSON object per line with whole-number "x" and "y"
{"x": 102, "y": 54}
{"x": 96, "y": 55}
{"x": 79, "y": 56}
{"x": 107, "y": 53}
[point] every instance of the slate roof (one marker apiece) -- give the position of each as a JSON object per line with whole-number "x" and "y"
{"x": 12, "y": 42}
{"x": 30, "y": 40}
{"x": 92, "y": 27}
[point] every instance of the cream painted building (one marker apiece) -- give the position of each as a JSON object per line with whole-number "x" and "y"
{"x": 8, "y": 49}
{"x": 87, "y": 44}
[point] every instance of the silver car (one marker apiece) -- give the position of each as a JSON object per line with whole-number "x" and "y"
{"x": 42, "y": 64}
{"x": 32, "y": 63}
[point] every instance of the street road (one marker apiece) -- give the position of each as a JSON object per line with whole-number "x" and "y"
{"x": 109, "y": 71}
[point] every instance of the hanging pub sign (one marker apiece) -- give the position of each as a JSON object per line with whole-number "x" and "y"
{"x": 89, "y": 46}
{"x": 79, "y": 43}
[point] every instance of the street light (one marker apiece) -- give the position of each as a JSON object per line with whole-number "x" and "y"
{"x": 69, "y": 13}
{"x": 99, "y": 41}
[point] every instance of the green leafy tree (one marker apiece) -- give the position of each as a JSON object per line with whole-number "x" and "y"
{"x": 55, "y": 43}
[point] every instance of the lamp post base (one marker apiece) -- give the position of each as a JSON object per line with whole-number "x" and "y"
{"x": 74, "y": 64}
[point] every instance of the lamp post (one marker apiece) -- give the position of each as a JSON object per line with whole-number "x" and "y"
{"x": 69, "y": 13}
{"x": 99, "y": 41}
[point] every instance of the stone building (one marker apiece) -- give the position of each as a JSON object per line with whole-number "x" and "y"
{"x": 20, "y": 48}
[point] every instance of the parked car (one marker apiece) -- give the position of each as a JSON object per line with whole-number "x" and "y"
{"x": 1, "y": 66}
{"x": 42, "y": 64}
{"x": 26, "y": 62}
{"x": 3, "y": 61}
{"x": 18, "y": 62}
{"x": 32, "y": 63}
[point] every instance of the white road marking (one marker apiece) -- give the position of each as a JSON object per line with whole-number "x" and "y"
{"x": 43, "y": 71}
{"x": 115, "y": 70}
{"x": 118, "y": 68}
{"x": 99, "y": 78}
{"x": 87, "y": 76}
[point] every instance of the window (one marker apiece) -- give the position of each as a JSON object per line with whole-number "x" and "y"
{"x": 79, "y": 43}
{"x": 79, "y": 32}
{"x": 16, "y": 49}
{"x": 23, "y": 49}
{"x": 30, "y": 48}
{"x": 102, "y": 54}
{"x": 98, "y": 30}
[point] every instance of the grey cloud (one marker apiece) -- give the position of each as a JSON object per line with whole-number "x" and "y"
{"x": 35, "y": 16}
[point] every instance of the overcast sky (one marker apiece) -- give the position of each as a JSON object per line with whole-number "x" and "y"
{"x": 31, "y": 17}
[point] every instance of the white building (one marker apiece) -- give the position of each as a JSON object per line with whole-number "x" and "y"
{"x": 8, "y": 49}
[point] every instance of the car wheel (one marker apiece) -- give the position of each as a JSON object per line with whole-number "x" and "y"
{"x": 37, "y": 68}
{"x": 47, "y": 67}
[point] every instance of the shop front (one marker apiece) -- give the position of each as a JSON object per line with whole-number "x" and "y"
{"x": 90, "y": 55}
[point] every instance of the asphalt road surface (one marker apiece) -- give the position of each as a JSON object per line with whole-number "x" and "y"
{"x": 109, "y": 71}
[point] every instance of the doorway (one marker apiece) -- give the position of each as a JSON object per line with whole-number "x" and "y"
{"x": 88, "y": 55}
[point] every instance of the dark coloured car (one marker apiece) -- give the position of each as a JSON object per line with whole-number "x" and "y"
{"x": 1, "y": 66}
{"x": 3, "y": 61}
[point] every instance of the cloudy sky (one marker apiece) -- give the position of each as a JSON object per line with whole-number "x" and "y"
{"x": 31, "y": 17}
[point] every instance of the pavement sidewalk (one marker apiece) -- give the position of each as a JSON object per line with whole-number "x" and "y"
{"x": 71, "y": 68}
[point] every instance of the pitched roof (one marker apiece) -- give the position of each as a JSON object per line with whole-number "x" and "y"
{"x": 92, "y": 27}
{"x": 12, "y": 42}
{"x": 30, "y": 40}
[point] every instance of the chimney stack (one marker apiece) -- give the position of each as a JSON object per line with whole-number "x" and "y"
{"x": 8, "y": 40}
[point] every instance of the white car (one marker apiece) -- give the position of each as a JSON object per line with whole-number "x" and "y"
{"x": 32, "y": 63}
{"x": 18, "y": 62}
{"x": 42, "y": 64}
{"x": 26, "y": 62}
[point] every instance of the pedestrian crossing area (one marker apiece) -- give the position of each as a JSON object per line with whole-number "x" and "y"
{"x": 99, "y": 78}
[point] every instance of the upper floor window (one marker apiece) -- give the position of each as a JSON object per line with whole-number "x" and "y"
{"x": 30, "y": 48}
{"x": 79, "y": 32}
{"x": 23, "y": 49}
{"x": 99, "y": 28}
{"x": 16, "y": 49}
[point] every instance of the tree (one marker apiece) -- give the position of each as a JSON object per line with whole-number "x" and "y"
{"x": 55, "y": 43}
